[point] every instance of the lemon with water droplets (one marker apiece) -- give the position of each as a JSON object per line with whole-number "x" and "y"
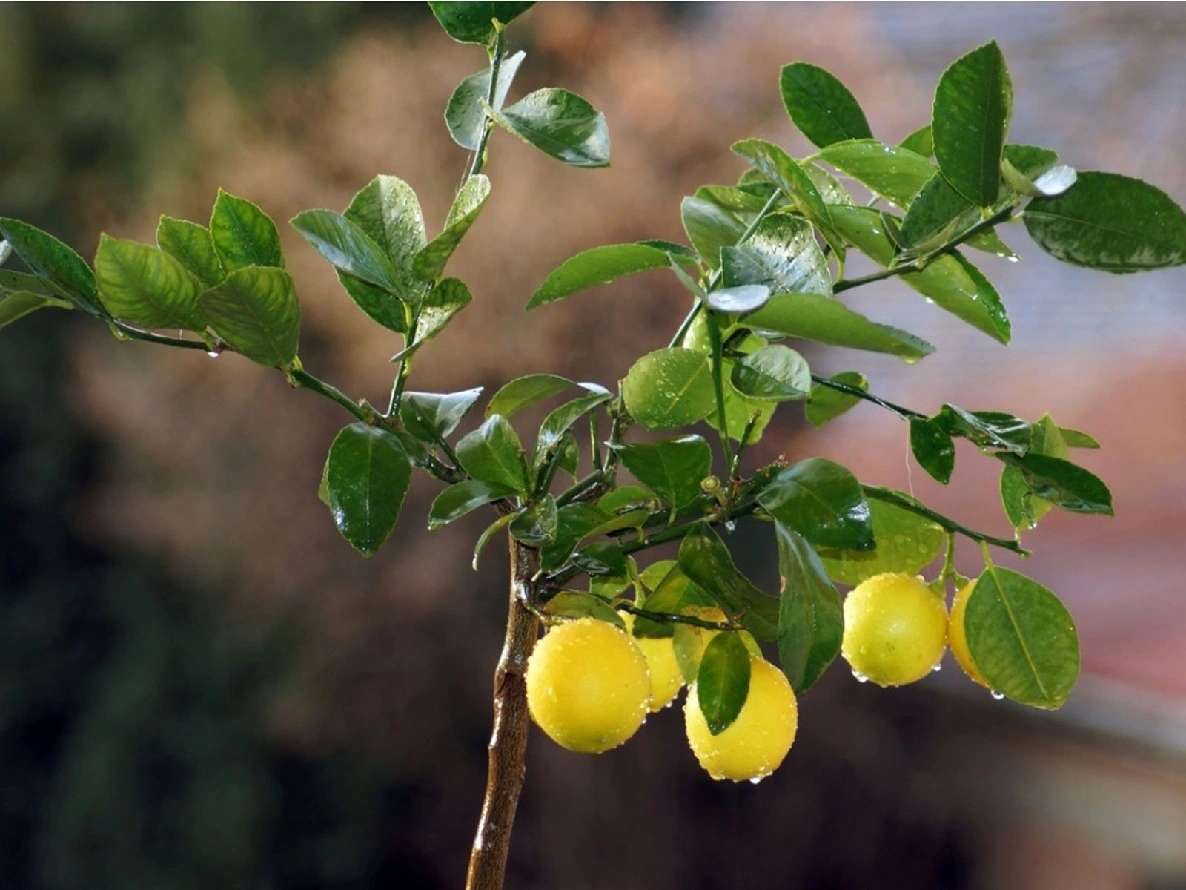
{"x": 958, "y": 639}
{"x": 666, "y": 678}
{"x": 754, "y": 745}
{"x": 588, "y": 686}
{"x": 895, "y": 629}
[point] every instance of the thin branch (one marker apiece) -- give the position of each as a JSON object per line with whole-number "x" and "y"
{"x": 126, "y": 332}
{"x": 304, "y": 380}
{"x": 903, "y": 412}
{"x": 908, "y": 503}
{"x": 500, "y": 42}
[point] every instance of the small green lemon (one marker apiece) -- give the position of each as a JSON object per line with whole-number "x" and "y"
{"x": 588, "y": 686}
{"x": 666, "y": 678}
{"x": 895, "y": 629}
{"x": 958, "y": 639}
{"x": 753, "y": 745}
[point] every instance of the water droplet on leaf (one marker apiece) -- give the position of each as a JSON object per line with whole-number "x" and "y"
{"x": 997, "y": 695}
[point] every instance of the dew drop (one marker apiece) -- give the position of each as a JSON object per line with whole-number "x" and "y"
{"x": 937, "y": 666}
{"x": 730, "y": 525}
{"x": 859, "y": 677}
{"x": 213, "y": 353}
{"x": 756, "y": 779}
{"x": 1013, "y": 259}
{"x": 997, "y": 695}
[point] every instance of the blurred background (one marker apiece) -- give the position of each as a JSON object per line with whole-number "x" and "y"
{"x": 202, "y": 685}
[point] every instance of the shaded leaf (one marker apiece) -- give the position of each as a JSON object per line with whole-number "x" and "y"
{"x": 933, "y": 448}
{"x": 366, "y": 477}
{"x": 706, "y": 561}
{"x": 346, "y": 247}
{"x": 574, "y": 604}
{"x": 574, "y": 522}
{"x": 1067, "y": 486}
{"x": 722, "y": 682}
{"x": 559, "y": 419}
{"x": 810, "y": 615}
{"x": 16, "y": 305}
{"x": 447, "y": 297}
{"x": 465, "y": 115}
{"x": 709, "y": 227}
{"x": 473, "y": 22}
{"x": 492, "y": 453}
{"x": 785, "y": 172}
{"x": 461, "y": 498}
{"x": 903, "y": 542}
{"x": 429, "y": 415}
{"x": 192, "y": 246}
{"x": 536, "y": 524}
{"x": 776, "y": 373}
{"x": 672, "y": 468}
{"x": 55, "y": 262}
{"x": 826, "y": 404}
{"x": 822, "y": 501}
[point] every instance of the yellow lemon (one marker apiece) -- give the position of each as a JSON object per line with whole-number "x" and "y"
{"x": 666, "y": 678}
{"x": 588, "y": 686}
{"x": 895, "y": 629}
{"x": 753, "y": 745}
{"x": 956, "y": 637}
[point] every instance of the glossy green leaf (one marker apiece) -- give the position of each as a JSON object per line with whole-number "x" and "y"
{"x": 243, "y": 234}
{"x": 600, "y": 265}
{"x": 255, "y": 311}
{"x": 828, "y": 186}
{"x": 935, "y": 216}
{"x": 192, "y": 246}
{"x": 1018, "y": 500}
{"x": 429, "y": 415}
{"x": 536, "y": 525}
{"x": 736, "y": 200}
{"x": 474, "y": 22}
{"x": 574, "y": 522}
{"x": 706, "y": 561}
{"x": 1022, "y": 639}
{"x": 462, "y": 498}
{"x": 986, "y": 429}
{"x": 447, "y": 297}
{"x": 826, "y": 320}
{"x": 1035, "y": 171}
{"x": 673, "y": 592}
{"x": 523, "y": 392}
{"x": 488, "y": 534}
{"x": 1067, "y": 486}
{"x": 346, "y": 247}
{"x": 822, "y": 501}
{"x": 15, "y": 305}
{"x": 367, "y": 475}
{"x": 895, "y": 174}
{"x": 568, "y": 454}
{"x": 933, "y": 448}
{"x": 1110, "y": 222}
{"x": 709, "y": 227}
{"x": 722, "y": 683}
{"x": 973, "y": 104}
{"x": 381, "y": 306}
{"x": 825, "y": 404}
{"x": 388, "y": 211}
{"x": 810, "y": 615}
{"x": 742, "y": 298}
{"x": 465, "y": 115}
{"x": 775, "y": 373}
{"x": 575, "y": 604}
{"x": 492, "y": 454}
{"x": 920, "y": 142}
{"x": 672, "y": 468}
{"x": 625, "y": 496}
{"x": 741, "y": 409}
{"x": 1077, "y": 438}
{"x": 55, "y": 262}
{"x": 559, "y": 419}
{"x": 560, "y": 124}
{"x": 782, "y": 254}
{"x": 601, "y": 559}
{"x": 990, "y": 242}
{"x": 903, "y": 542}
{"x": 146, "y": 287}
{"x": 785, "y": 172}
{"x": 669, "y": 388}
{"x": 820, "y": 105}
{"x": 430, "y": 262}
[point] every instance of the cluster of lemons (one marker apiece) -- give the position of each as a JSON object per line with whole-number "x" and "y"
{"x": 591, "y": 684}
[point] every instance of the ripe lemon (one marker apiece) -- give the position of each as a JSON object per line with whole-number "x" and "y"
{"x": 956, "y": 637}
{"x": 895, "y": 629}
{"x": 753, "y": 745}
{"x": 666, "y": 678}
{"x": 588, "y": 686}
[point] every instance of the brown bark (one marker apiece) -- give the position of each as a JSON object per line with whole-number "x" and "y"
{"x": 506, "y": 765}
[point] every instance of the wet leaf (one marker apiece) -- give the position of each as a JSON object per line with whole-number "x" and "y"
{"x": 811, "y": 615}
{"x": 430, "y": 260}
{"x": 146, "y": 287}
{"x": 492, "y": 454}
{"x": 706, "y": 561}
{"x": 672, "y": 469}
{"x": 669, "y": 388}
{"x": 243, "y": 234}
{"x": 600, "y": 265}
{"x": 465, "y": 115}
{"x": 895, "y": 174}
{"x": 428, "y": 415}
{"x": 822, "y": 501}
{"x": 560, "y": 124}
{"x": 933, "y": 448}
{"x": 775, "y": 373}
{"x": 826, "y": 404}
{"x": 903, "y": 542}
{"x": 722, "y": 683}
{"x": 256, "y": 313}
{"x": 473, "y": 22}
{"x": 820, "y": 105}
{"x": 55, "y": 262}
{"x": 366, "y": 477}
{"x": 462, "y": 498}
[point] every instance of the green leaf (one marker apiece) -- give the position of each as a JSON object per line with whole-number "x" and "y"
{"x": 243, "y": 234}
{"x": 574, "y": 522}
{"x": 430, "y": 261}
{"x": 388, "y": 211}
{"x": 652, "y": 576}
{"x": 827, "y": 320}
{"x": 574, "y": 604}
{"x": 820, "y": 105}
{"x": 523, "y": 392}
{"x": 556, "y": 424}
{"x": 826, "y": 404}
{"x": 742, "y": 298}
{"x": 672, "y": 469}
{"x": 5, "y": 252}
{"x": 429, "y": 415}
{"x": 722, "y": 683}
{"x": 602, "y": 559}
{"x": 949, "y": 281}
{"x": 973, "y": 104}
{"x": 904, "y": 542}
{"x": 560, "y": 124}
{"x": 600, "y": 265}
{"x": 490, "y": 531}
{"x": 1017, "y": 499}
{"x": 1067, "y": 486}
{"x": 673, "y": 592}
{"x": 144, "y": 286}
{"x": 474, "y": 22}
{"x": 57, "y": 264}
{"x": 22, "y": 281}
{"x": 895, "y": 174}
{"x": 192, "y": 246}
{"x": 920, "y": 142}
{"x": 464, "y": 497}
{"x": 822, "y": 501}
{"x": 17, "y": 304}
{"x": 1077, "y": 438}
{"x": 705, "y": 560}
{"x": 933, "y": 448}
{"x": 465, "y": 115}
{"x": 775, "y": 373}
{"x": 669, "y": 388}
{"x": 740, "y": 409}
{"x": 986, "y": 429}
{"x": 492, "y": 453}
{"x": 346, "y": 247}
{"x": 936, "y": 216}
{"x": 782, "y": 254}
{"x": 810, "y": 614}
{"x": 255, "y": 311}
{"x": 536, "y": 525}
{"x": 709, "y": 227}
{"x": 381, "y": 306}
{"x": 447, "y": 297}
{"x": 1035, "y": 171}
{"x": 367, "y": 475}
{"x": 625, "y": 496}
{"x": 1110, "y": 222}
{"x": 1022, "y": 639}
